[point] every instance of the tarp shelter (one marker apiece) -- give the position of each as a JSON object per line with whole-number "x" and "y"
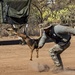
{"x": 14, "y": 11}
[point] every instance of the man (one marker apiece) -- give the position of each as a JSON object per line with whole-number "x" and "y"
{"x": 61, "y": 35}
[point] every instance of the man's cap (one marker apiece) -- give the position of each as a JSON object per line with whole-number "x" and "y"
{"x": 45, "y": 25}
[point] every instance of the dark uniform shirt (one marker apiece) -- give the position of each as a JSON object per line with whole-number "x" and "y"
{"x": 58, "y": 35}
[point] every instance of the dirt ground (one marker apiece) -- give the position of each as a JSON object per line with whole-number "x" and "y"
{"x": 14, "y": 60}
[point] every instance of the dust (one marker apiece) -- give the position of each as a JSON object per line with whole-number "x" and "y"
{"x": 36, "y": 66}
{"x": 68, "y": 71}
{"x": 39, "y": 67}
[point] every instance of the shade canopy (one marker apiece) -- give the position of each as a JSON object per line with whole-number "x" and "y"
{"x": 14, "y": 11}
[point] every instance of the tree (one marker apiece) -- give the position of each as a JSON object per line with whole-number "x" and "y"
{"x": 45, "y": 10}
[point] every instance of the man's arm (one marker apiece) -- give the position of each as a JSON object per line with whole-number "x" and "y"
{"x": 42, "y": 40}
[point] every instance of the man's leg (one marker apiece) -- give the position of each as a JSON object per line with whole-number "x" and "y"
{"x": 55, "y": 54}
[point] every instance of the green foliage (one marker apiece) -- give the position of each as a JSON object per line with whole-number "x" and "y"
{"x": 53, "y": 13}
{"x": 56, "y": 15}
